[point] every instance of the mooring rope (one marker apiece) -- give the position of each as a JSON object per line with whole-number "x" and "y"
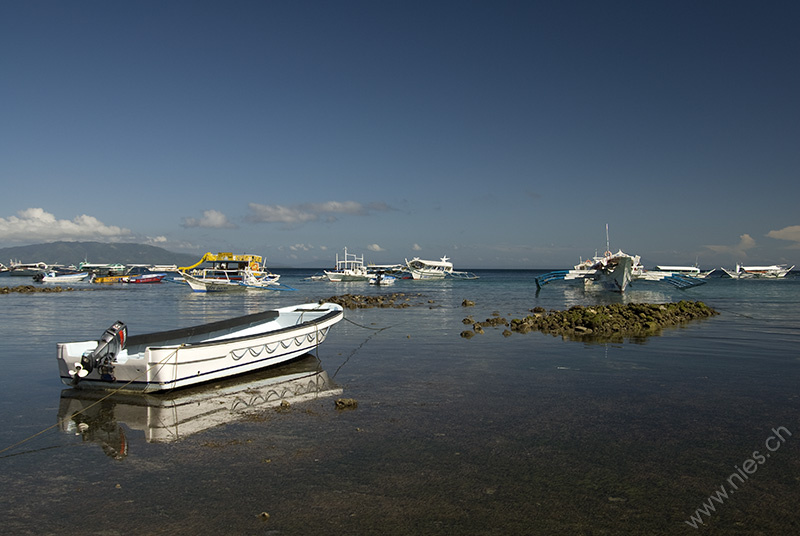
{"x": 357, "y": 348}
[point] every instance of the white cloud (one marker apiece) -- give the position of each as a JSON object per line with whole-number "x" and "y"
{"x": 301, "y": 247}
{"x": 745, "y": 242}
{"x": 34, "y": 224}
{"x": 791, "y": 233}
{"x": 416, "y": 247}
{"x": 213, "y": 219}
{"x": 375, "y": 247}
{"x": 309, "y": 212}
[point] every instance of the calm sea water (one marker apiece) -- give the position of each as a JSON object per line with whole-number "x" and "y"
{"x": 527, "y": 434}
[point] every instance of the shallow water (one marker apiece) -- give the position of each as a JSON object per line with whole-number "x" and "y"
{"x": 527, "y": 434}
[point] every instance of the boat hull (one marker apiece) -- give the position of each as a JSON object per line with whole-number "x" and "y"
{"x": 198, "y": 284}
{"x": 257, "y": 342}
{"x": 70, "y": 278}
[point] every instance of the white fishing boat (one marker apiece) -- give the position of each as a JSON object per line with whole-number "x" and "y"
{"x": 56, "y": 277}
{"x": 349, "y": 268}
{"x": 230, "y": 272}
{"x": 773, "y": 271}
{"x": 188, "y": 356}
{"x": 443, "y": 268}
{"x": 103, "y": 418}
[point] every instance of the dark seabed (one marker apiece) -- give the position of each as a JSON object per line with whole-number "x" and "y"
{"x": 493, "y": 435}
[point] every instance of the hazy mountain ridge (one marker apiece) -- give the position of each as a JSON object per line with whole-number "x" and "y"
{"x": 95, "y": 252}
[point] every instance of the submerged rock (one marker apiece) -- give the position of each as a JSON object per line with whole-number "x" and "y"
{"x": 346, "y": 403}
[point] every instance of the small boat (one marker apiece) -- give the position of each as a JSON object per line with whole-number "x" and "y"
{"x": 188, "y": 356}
{"x": 230, "y": 272}
{"x": 60, "y": 277}
{"x": 143, "y": 278}
{"x": 381, "y": 279}
{"x": 103, "y": 418}
{"x": 350, "y": 268}
{"x": 773, "y": 271}
{"x": 422, "y": 269}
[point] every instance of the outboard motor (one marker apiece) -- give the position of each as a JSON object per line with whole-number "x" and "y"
{"x": 103, "y": 356}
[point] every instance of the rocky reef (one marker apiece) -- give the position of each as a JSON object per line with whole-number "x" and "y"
{"x": 614, "y": 322}
{"x": 397, "y": 300}
{"x": 28, "y": 289}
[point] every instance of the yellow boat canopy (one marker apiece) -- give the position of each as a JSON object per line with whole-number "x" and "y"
{"x": 253, "y": 260}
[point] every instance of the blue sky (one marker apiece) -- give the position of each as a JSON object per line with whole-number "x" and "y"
{"x": 500, "y": 134}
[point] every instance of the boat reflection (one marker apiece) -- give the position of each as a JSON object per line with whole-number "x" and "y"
{"x": 98, "y": 417}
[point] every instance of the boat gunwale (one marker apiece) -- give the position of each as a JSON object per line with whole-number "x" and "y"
{"x": 146, "y": 340}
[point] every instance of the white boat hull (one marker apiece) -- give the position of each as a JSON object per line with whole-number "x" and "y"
{"x": 69, "y": 278}
{"x": 199, "y": 284}
{"x": 189, "y": 360}
{"x": 339, "y": 277}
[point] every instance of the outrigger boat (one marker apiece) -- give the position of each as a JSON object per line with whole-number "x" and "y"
{"x": 350, "y": 268}
{"x": 22, "y": 269}
{"x": 773, "y": 271}
{"x": 614, "y": 272}
{"x": 104, "y": 418}
{"x": 188, "y": 356}
{"x": 692, "y": 271}
{"x": 230, "y": 272}
{"x": 422, "y": 269}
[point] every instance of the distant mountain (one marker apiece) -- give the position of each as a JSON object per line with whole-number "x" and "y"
{"x": 67, "y": 253}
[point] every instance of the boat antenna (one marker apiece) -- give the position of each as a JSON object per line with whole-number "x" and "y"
{"x": 608, "y": 247}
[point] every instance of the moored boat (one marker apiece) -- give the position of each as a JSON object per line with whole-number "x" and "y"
{"x": 772, "y": 271}
{"x": 380, "y": 278}
{"x": 29, "y": 269}
{"x": 230, "y": 272}
{"x": 424, "y": 269}
{"x": 349, "y": 268}
{"x": 188, "y": 356}
{"x": 144, "y": 278}
{"x": 57, "y": 277}
{"x": 692, "y": 271}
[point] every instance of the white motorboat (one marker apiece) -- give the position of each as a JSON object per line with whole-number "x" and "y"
{"x": 423, "y": 269}
{"x": 56, "y": 277}
{"x": 382, "y": 279}
{"x": 349, "y": 268}
{"x": 98, "y": 416}
{"x": 230, "y": 272}
{"x": 187, "y": 356}
{"x": 773, "y": 271}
